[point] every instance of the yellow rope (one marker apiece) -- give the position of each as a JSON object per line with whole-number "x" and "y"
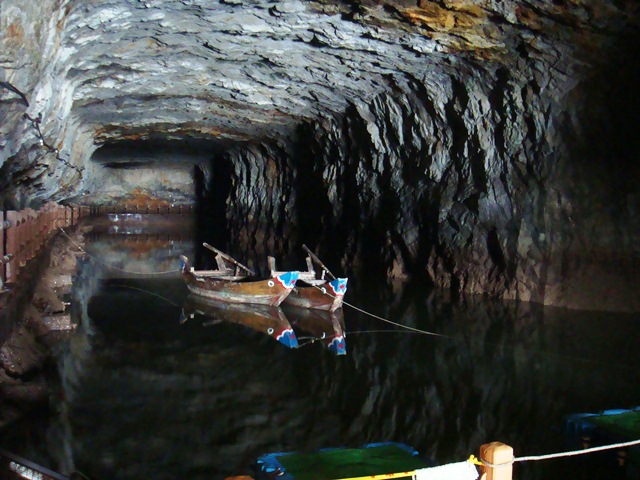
{"x": 381, "y": 476}
{"x": 472, "y": 460}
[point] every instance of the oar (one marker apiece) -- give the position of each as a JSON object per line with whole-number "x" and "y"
{"x": 227, "y": 257}
{"x": 319, "y": 262}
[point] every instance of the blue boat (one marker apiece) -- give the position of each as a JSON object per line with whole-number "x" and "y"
{"x": 608, "y": 427}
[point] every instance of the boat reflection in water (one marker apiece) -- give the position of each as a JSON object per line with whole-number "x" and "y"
{"x": 262, "y": 318}
{"x": 324, "y": 326}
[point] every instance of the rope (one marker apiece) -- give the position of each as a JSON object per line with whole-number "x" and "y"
{"x": 414, "y": 330}
{"x": 424, "y": 332}
{"x": 577, "y": 452}
{"x": 76, "y": 472}
{"x": 356, "y": 332}
{"x": 457, "y": 338}
{"x": 165, "y": 272}
{"x": 308, "y": 341}
{"x": 557, "y": 455}
{"x": 147, "y": 292}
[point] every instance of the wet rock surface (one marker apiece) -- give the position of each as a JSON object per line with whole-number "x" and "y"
{"x": 487, "y": 146}
{"x": 34, "y": 328}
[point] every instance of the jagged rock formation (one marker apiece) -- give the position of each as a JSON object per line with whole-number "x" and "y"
{"x": 25, "y": 348}
{"x": 486, "y": 145}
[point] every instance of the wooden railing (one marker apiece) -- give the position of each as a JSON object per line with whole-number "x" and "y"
{"x": 152, "y": 209}
{"x": 24, "y": 233}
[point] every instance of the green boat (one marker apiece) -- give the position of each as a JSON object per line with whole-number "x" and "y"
{"x": 388, "y": 460}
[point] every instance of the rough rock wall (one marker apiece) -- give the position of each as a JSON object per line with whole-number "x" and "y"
{"x": 478, "y": 182}
{"x": 44, "y": 321}
{"x": 479, "y": 143}
{"x": 247, "y": 198}
{"x": 34, "y": 124}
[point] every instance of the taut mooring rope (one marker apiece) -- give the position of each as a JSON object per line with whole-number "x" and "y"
{"x": 406, "y": 327}
{"x": 412, "y": 329}
{"x": 145, "y": 291}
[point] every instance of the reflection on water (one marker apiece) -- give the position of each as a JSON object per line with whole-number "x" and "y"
{"x": 146, "y": 395}
{"x": 319, "y": 326}
{"x": 265, "y": 319}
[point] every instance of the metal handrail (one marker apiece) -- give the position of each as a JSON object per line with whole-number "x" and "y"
{"x": 22, "y": 463}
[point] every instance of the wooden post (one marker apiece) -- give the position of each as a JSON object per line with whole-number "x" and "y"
{"x": 3, "y": 277}
{"x": 44, "y": 222}
{"x": 26, "y": 237}
{"x": 21, "y": 228}
{"x": 39, "y": 231}
{"x": 34, "y": 231}
{"x": 12, "y": 246}
{"x": 52, "y": 217}
{"x": 51, "y": 208}
{"x": 59, "y": 216}
{"x": 31, "y": 234}
{"x": 51, "y": 224}
{"x": 499, "y": 455}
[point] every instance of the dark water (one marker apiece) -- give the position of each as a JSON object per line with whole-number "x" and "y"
{"x": 143, "y": 394}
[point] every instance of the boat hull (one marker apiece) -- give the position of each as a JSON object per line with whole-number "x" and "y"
{"x": 328, "y": 296}
{"x": 270, "y": 291}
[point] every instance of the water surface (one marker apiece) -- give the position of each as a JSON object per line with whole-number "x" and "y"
{"x": 144, "y": 394}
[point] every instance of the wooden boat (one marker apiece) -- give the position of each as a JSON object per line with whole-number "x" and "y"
{"x": 228, "y": 284}
{"x": 323, "y": 326}
{"x": 371, "y": 461}
{"x": 265, "y": 319}
{"x": 312, "y": 292}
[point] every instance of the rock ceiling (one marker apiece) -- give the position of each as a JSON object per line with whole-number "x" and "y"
{"x": 220, "y": 74}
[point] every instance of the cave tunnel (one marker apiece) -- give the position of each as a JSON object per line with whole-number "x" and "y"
{"x": 389, "y": 149}
{"x": 471, "y": 166}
